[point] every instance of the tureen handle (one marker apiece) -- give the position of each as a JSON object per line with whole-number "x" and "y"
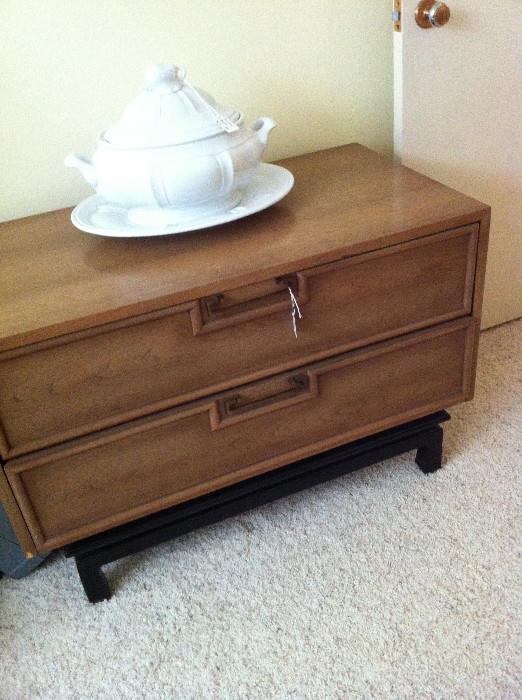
{"x": 84, "y": 165}
{"x": 262, "y": 128}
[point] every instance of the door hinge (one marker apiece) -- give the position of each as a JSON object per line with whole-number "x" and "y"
{"x": 397, "y": 16}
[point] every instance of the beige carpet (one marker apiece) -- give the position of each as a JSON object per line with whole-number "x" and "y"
{"x": 382, "y": 584}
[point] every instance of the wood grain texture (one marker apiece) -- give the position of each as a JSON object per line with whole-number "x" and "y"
{"x": 167, "y": 367}
{"x": 69, "y": 492}
{"x": 348, "y": 200}
{"x": 76, "y": 384}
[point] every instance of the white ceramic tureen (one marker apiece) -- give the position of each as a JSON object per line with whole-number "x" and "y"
{"x": 176, "y": 150}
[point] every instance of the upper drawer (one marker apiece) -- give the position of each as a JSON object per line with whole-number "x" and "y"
{"x": 81, "y": 382}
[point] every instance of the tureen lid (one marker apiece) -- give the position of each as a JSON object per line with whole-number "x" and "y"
{"x": 170, "y": 111}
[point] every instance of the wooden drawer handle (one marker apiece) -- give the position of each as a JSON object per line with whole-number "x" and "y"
{"x": 239, "y": 403}
{"x": 220, "y": 310}
{"x": 240, "y": 406}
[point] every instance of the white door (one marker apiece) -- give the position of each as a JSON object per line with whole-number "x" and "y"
{"x": 458, "y": 119}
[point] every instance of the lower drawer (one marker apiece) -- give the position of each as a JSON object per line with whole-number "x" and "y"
{"x": 91, "y": 484}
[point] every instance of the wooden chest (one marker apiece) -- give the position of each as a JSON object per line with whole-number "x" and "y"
{"x": 136, "y": 374}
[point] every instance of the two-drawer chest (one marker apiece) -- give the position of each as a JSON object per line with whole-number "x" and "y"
{"x": 136, "y": 374}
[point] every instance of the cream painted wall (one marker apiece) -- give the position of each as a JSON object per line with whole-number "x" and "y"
{"x": 321, "y": 68}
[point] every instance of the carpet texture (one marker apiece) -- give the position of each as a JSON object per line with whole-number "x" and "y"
{"x": 385, "y": 583}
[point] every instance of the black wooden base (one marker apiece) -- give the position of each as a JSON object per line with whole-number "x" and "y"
{"x": 424, "y": 435}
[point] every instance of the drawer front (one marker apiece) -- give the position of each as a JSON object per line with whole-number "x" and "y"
{"x": 53, "y": 391}
{"x": 91, "y": 484}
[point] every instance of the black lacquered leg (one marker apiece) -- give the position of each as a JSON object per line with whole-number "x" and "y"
{"x": 93, "y": 580}
{"x": 429, "y": 455}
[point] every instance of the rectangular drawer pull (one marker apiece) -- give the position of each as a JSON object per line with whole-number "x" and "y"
{"x": 241, "y": 406}
{"x": 240, "y": 305}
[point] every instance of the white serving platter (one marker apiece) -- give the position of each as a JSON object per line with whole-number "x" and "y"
{"x": 94, "y": 215}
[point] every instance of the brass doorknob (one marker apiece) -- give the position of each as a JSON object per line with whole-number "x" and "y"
{"x": 431, "y": 13}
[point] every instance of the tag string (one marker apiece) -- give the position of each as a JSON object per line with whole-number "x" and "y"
{"x": 294, "y": 310}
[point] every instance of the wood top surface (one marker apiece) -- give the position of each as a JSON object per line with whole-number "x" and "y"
{"x": 347, "y": 200}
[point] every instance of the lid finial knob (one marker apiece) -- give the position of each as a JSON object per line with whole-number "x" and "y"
{"x": 164, "y": 76}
